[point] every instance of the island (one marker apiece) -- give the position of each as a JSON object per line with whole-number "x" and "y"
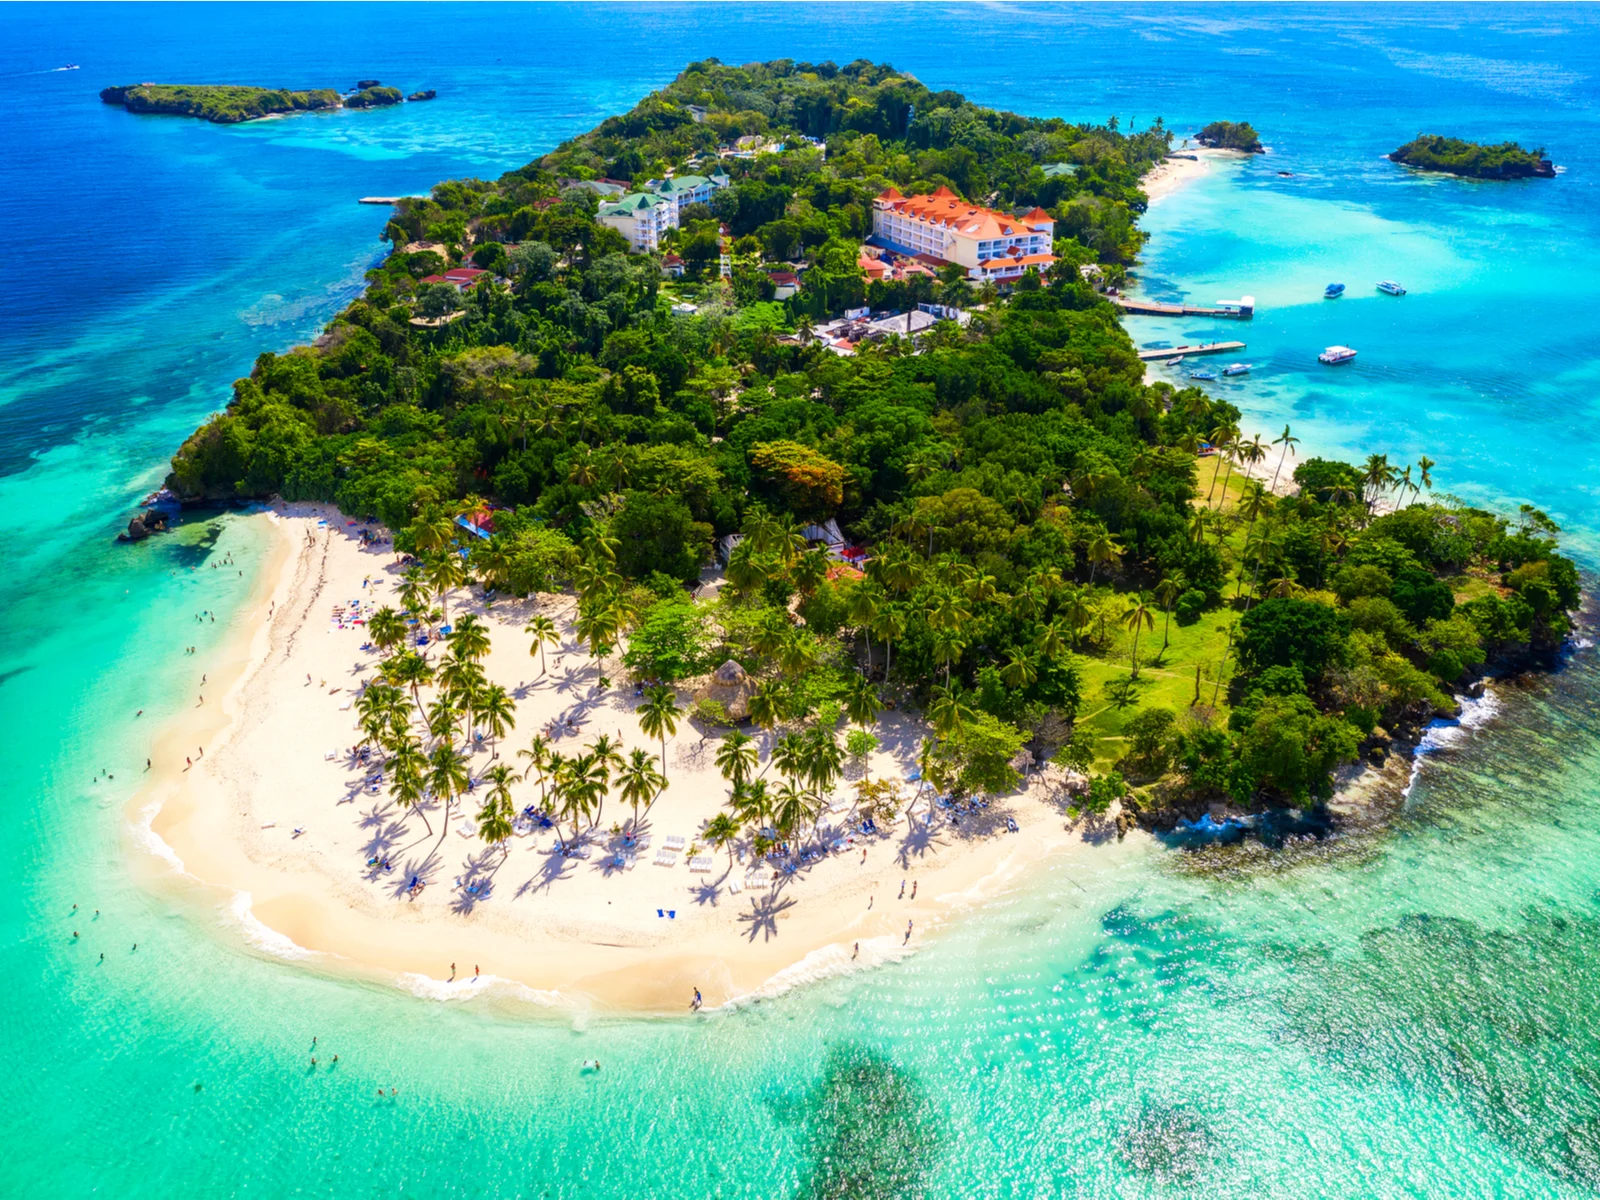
{"x": 752, "y": 503}
{"x": 1453, "y": 156}
{"x": 228, "y": 104}
{"x": 425, "y": 94}
{"x": 1230, "y": 135}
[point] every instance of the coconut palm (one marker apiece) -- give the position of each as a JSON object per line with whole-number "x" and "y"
{"x": 598, "y": 626}
{"x": 448, "y": 778}
{"x": 538, "y": 756}
{"x": 387, "y": 629}
{"x": 498, "y": 811}
{"x": 750, "y": 804}
{"x": 408, "y": 767}
{"x": 608, "y": 756}
{"x": 736, "y": 757}
{"x": 1102, "y": 550}
{"x": 765, "y": 707}
{"x": 721, "y": 832}
{"x": 1137, "y": 618}
{"x": 1052, "y": 644}
{"x": 413, "y": 591}
{"x": 798, "y": 653}
{"x": 544, "y": 633}
{"x": 948, "y": 647}
{"x": 658, "y": 717}
{"x": 890, "y": 626}
{"x": 496, "y": 713}
{"x": 1377, "y": 477}
{"x": 1425, "y": 465}
{"x": 949, "y": 712}
{"x": 949, "y": 612}
{"x": 1020, "y": 671}
{"x": 1078, "y": 612}
{"x": 792, "y": 809}
{"x": 862, "y": 704}
{"x": 640, "y": 782}
{"x": 458, "y": 675}
{"x": 442, "y": 716}
{"x": 470, "y": 638}
{"x": 809, "y": 570}
{"x": 789, "y": 756}
{"x": 861, "y": 608}
{"x": 431, "y": 534}
{"x": 824, "y": 760}
{"x": 1167, "y": 593}
{"x": 444, "y": 572}
{"x": 1288, "y": 442}
{"x": 1222, "y": 440}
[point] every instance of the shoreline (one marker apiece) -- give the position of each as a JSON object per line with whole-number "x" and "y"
{"x": 541, "y": 928}
{"x": 1172, "y": 174}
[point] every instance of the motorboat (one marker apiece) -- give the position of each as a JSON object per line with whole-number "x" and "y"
{"x": 1334, "y": 355}
{"x": 1333, "y": 291}
{"x": 1236, "y": 369}
{"x": 1203, "y": 374}
{"x": 1390, "y": 287}
{"x": 1172, "y": 362}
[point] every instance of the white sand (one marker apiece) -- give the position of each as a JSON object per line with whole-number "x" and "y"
{"x": 1171, "y": 174}
{"x": 577, "y": 930}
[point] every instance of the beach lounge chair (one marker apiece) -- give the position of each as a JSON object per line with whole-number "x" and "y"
{"x": 665, "y": 858}
{"x": 700, "y": 863}
{"x": 735, "y": 887}
{"x": 674, "y": 842}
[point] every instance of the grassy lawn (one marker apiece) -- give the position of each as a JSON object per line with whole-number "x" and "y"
{"x": 1166, "y": 680}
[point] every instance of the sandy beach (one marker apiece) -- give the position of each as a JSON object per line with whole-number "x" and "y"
{"x": 278, "y": 728}
{"x": 1181, "y": 168}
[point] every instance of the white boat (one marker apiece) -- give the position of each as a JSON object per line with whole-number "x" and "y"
{"x": 1334, "y": 355}
{"x": 1172, "y": 362}
{"x": 1391, "y": 287}
{"x": 1236, "y": 369}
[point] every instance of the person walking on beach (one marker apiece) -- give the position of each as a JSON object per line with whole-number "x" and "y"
{"x": 913, "y": 889}
{"x": 696, "y": 1005}
{"x": 902, "y": 894}
{"x": 908, "y": 932}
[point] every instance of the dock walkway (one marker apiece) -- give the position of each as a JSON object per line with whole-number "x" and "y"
{"x": 1185, "y": 351}
{"x": 1241, "y": 310}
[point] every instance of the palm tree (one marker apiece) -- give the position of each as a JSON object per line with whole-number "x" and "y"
{"x": 445, "y": 571}
{"x": 1136, "y": 618}
{"x": 736, "y": 757}
{"x": 496, "y": 713}
{"x": 442, "y": 716}
{"x": 798, "y": 653}
{"x": 409, "y": 768}
{"x": 470, "y": 638}
{"x": 1020, "y": 670}
{"x": 1051, "y": 644}
{"x": 1376, "y": 478}
{"x": 387, "y": 629}
{"x": 750, "y": 804}
{"x": 862, "y": 704}
{"x": 765, "y": 709}
{"x": 1221, "y": 439}
{"x": 1167, "y": 593}
{"x": 432, "y": 534}
{"x": 640, "y": 782}
{"x": 948, "y": 647}
{"x": 861, "y": 608}
{"x": 1288, "y": 442}
{"x": 809, "y": 570}
{"x": 721, "y": 832}
{"x": 1078, "y": 612}
{"x": 1102, "y": 550}
{"x": 824, "y": 760}
{"x": 659, "y": 718}
{"x": 599, "y": 627}
{"x": 544, "y": 633}
{"x": 576, "y": 788}
{"x": 789, "y": 756}
{"x": 792, "y": 807}
{"x": 890, "y": 626}
{"x": 538, "y": 756}
{"x": 949, "y": 712}
{"x": 1424, "y": 466}
{"x": 410, "y": 670}
{"x": 495, "y": 817}
{"x": 447, "y": 776}
{"x": 608, "y": 756}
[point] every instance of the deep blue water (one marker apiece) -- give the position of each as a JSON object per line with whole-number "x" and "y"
{"x": 1412, "y": 1016}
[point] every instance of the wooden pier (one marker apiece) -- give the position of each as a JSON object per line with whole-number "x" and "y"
{"x": 1241, "y": 310}
{"x": 1185, "y": 351}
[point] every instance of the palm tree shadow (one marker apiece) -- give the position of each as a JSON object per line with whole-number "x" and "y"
{"x": 919, "y": 840}
{"x": 762, "y": 918}
{"x": 557, "y": 866}
{"x": 421, "y": 871}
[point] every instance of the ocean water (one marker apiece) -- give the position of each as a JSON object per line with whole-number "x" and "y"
{"x": 1408, "y": 1013}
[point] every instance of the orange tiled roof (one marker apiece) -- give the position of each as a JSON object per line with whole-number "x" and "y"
{"x": 943, "y": 207}
{"x": 1038, "y": 214}
{"x": 1018, "y": 260}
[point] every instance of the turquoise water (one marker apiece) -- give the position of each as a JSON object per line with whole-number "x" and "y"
{"x": 1405, "y": 1014}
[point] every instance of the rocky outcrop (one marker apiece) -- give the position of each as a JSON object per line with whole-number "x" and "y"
{"x": 427, "y": 94}
{"x": 363, "y": 84}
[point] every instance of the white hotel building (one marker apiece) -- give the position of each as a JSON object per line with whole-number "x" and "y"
{"x": 642, "y": 217}
{"x": 991, "y": 245}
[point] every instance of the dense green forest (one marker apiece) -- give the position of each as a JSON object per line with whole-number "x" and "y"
{"x": 1430, "y": 152}
{"x": 228, "y": 104}
{"x": 1230, "y": 135}
{"x": 1056, "y": 561}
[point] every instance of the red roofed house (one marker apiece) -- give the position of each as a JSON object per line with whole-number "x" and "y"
{"x": 874, "y": 269}
{"x": 943, "y": 225}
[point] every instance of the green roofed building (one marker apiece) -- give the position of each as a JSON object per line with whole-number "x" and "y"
{"x": 642, "y": 217}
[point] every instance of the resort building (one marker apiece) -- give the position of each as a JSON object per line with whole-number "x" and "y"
{"x": 990, "y": 244}
{"x": 642, "y": 217}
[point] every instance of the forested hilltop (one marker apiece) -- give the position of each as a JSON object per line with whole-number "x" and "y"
{"x": 1053, "y": 558}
